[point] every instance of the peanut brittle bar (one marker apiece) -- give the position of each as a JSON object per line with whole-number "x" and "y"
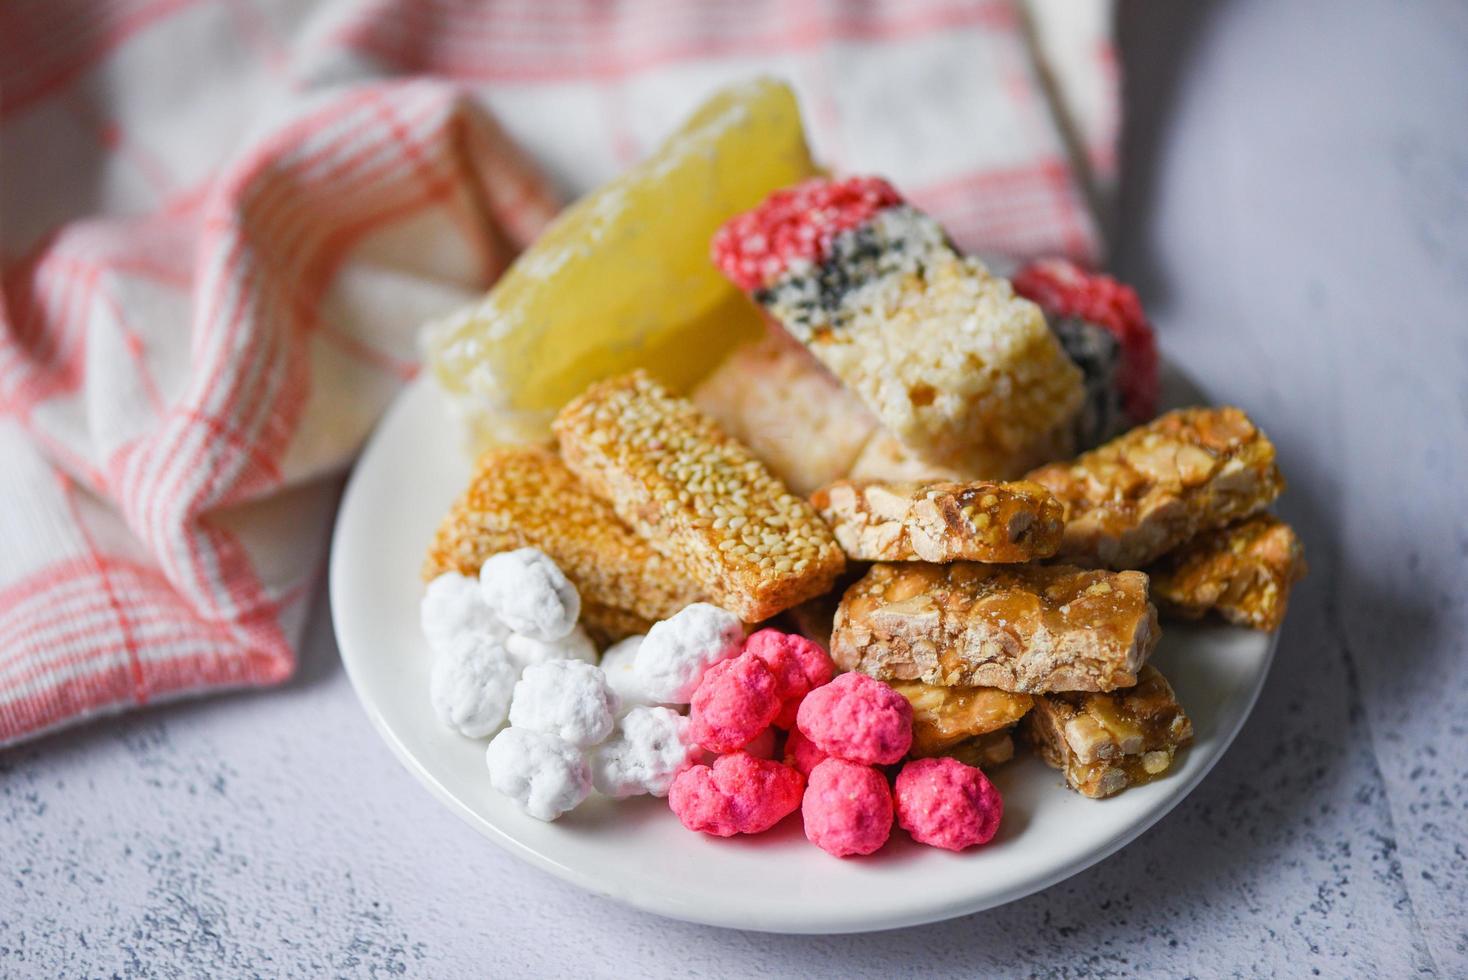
{"x": 944, "y": 716}
{"x": 948, "y": 358}
{"x": 941, "y": 522}
{"x": 1104, "y": 743}
{"x": 778, "y": 400}
{"x": 984, "y": 751}
{"x": 698, "y": 496}
{"x": 1132, "y": 500}
{"x": 526, "y": 497}
{"x": 1243, "y": 572}
{"x": 1022, "y": 628}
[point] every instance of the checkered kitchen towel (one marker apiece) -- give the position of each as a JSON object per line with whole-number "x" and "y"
{"x": 222, "y": 220}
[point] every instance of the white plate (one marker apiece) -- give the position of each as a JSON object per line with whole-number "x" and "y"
{"x": 636, "y": 851}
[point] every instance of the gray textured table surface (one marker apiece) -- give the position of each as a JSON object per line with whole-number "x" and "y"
{"x": 1296, "y": 214}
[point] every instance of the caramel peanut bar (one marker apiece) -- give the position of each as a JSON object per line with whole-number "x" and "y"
{"x": 1022, "y": 628}
{"x": 984, "y": 751}
{"x": 941, "y": 522}
{"x": 1132, "y": 500}
{"x": 944, "y": 716}
{"x": 1243, "y": 572}
{"x": 526, "y": 497}
{"x": 778, "y": 400}
{"x": 946, "y": 356}
{"x": 698, "y": 496}
{"x": 1104, "y": 743}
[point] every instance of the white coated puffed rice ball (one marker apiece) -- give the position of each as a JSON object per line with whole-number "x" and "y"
{"x": 650, "y": 747}
{"x": 543, "y": 774}
{"x": 527, "y": 650}
{"x": 619, "y": 663}
{"x": 454, "y": 604}
{"x": 529, "y": 593}
{"x": 676, "y": 652}
{"x": 471, "y": 684}
{"x": 567, "y": 698}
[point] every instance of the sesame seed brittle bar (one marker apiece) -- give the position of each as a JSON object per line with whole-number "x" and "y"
{"x": 526, "y": 497}
{"x": 1243, "y": 572}
{"x": 1021, "y": 628}
{"x": 1132, "y": 500}
{"x": 942, "y": 522}
{"x": 1104, "y": 743}
{"x": 699, "y": 497}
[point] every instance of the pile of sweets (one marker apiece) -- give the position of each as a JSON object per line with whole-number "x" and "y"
{"x": 840, "y": 737}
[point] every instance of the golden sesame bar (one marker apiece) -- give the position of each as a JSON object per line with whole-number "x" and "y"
{"x": 778, "y": 400}
{"x": 944, "y": 716}
{"x": 1132, "y": 500}
{"x": 1104, "y": 743}
{"x": 941, "y": 522}
{"x": 526, "y": 497}
{"x": 1243, "y": 572}
{"x": 698, "y": 496}
{"x": 954, "y": 365}
{"x": 1022, "y": 628}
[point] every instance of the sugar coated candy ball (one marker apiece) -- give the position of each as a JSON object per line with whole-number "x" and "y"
{"x": 471, "y": 684}
{"x": 847, "y": 808}
{"x": 544, "y": 775}
{"x": 619, "y": 663}
{"x": 453, "y": 604}
{"x": 762, "y": 746}
{"x": 566, "y": 698}
{"x": 801, "y": 754}
{"x": 650, "y": 747}
{"x": 527, "y": 650}
{"x": 799, "y": 666}
{"x": 529, "y": 593}
{"x": 738, "y": 794}
{"x": 676, "y": 652}
{"x": 947, "y": 804}
{"x": 859, "y": 719}
{"x": 736, "y": 700}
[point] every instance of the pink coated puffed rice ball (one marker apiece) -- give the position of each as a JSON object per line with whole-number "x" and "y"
{"x": 798, "y": 664}
{"x": 736, "y": 700}
{"x": 801, "y": 754}
{"x": 739, "y": 794}
{"x": 847, "y": 808}
{"x": 947, "y": 804}
{"x": 859, "y": 719}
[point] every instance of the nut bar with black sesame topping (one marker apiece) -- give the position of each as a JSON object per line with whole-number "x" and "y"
{"x": 698, "y": 496}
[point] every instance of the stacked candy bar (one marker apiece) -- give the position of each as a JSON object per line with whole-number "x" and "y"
{"x": 952, "y": 363}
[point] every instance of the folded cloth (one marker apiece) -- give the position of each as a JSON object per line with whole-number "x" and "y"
{"x": 223, "y": 223}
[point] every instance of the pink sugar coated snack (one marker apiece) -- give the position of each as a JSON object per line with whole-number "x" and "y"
{"x": 736, "y": 700}
{"x": 739, "y": 794}
{"x": 859, "y": 719}
{"x": 944, "y": 803}
{"x": 801, "y": 754}
{"x": 847, "y": 808}
{"x": 797, "y": 223}
{"x": 799, "y": 667}
{"x": 762, "y": 746}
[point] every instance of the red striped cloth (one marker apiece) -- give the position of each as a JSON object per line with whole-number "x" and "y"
{"x": 223, "y": 221}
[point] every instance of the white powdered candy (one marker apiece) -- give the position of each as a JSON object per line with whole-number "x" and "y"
{"x": 545, "y": 775}
{"x": 529, "y": 593}
{"x": 454, "y": 604}
{"x": 619, "y": 663}
{"x": 471, "y": 684}
{"x": 566, "y": 698}
{"x": 527, "y": 650}
{"x": 676, "y": 652}
{"x": 649, "y": 749}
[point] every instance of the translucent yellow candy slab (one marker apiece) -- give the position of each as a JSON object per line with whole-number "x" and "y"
{"x": 622, "y": 278}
